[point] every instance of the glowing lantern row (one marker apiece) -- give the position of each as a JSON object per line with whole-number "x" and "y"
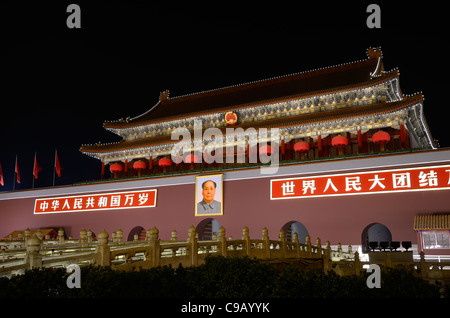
{"x": 380, "y": 138}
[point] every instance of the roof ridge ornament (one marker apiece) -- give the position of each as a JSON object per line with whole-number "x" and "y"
{"x": 164, "y": 95}
{"x": 374, "y": 52}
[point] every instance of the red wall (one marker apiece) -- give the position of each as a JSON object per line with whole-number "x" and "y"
{"x": 246, "y": 203}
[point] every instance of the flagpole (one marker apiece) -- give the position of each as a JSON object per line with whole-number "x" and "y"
{"x": 54, "y": 169}
{"x": 14, "y": 179}
{"x": 33, "y": 169}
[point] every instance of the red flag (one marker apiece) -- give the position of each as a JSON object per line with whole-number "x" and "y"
{"x": 2, "y": 182}
{"x": 17, "y": 171}
{"x": 36, "y": 168}
{"x": 57, "y": 164}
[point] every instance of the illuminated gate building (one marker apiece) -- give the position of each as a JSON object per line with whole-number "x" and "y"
{"x": 338, "y": 153}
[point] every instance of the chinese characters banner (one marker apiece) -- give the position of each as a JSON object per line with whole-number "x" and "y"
{"x": 413, "y": 179}
{"x": 95, "y": 202}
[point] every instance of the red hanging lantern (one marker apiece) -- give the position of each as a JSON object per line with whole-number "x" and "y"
{"x": 139, "y": 166}
{"x": 381, "y": 138}
{"x": 339, "y": 142}
{"x": 266, "y": 149}
{"x": 164, "y": 163}
{"x": 116, "y": 168}
{"x": 301, "y": 147}
{"x": 191, "y": 158}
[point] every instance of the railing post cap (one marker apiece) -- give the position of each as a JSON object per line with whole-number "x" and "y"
{"x": 192, "y": 230}
{"x": 103, "y": 235}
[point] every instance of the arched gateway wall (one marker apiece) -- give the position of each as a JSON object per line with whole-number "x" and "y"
{"x": 246, "y": 202}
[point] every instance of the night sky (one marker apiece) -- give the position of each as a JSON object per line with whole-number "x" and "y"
{"x": 59, "y": 85}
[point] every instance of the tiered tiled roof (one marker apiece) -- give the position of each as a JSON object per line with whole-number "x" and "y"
{"x": 306, "y": 98}
{"x": 316, "y": 82}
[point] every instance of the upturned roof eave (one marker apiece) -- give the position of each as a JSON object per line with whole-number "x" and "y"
{"x": 315, "y": 118}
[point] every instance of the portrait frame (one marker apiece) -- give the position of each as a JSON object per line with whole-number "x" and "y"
{"x": 218, "y": 197}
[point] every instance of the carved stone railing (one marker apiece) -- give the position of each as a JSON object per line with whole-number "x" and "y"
{"x": 193, "y": 252}
{"x": 152, "y": 252}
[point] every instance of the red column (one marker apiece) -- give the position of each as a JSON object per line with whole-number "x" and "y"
{"x": 150, "y": 164}
{"x": 402, "y": 136}
{"x": 360, "y": 143}
{"x": 319, "y": 145}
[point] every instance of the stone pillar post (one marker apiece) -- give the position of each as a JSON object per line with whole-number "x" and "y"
{"x": 103, "y": 257}
{"x": 319, "y": 247}
{"x": 27, "y": 235}
{"x": 223, "y": 241}
{"x": 283, "y": 244}
{"x": 83, "y": 237}
{"x": 266, "y": 243}
{"x": 308, "y": 245}
{"x": 192, "y": 239}
{"x": 339, "y": 248}
{"x": 296, "y": 244}
{"x": 328, "y": 247}
{"x": 119, "y": 234}
{"x": 174, "y": 236}
{"x": 61, "y": 236}
{"x": 33, "y": 257}
{"x": 155, "y": 247}
{"x": 246, "y": 238}
{"x": 90, "y": 239}
{"x": 327, "y": 258}
{"x": 358, "y": 267}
